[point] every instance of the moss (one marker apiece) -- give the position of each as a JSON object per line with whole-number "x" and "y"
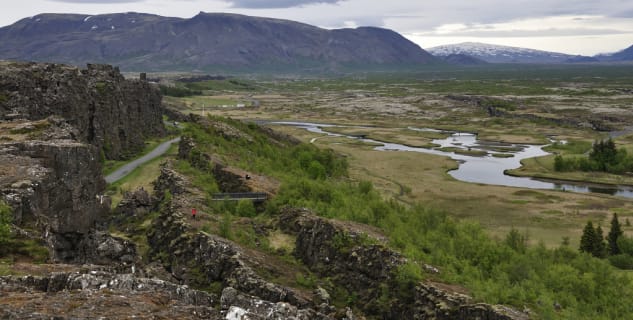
{"x": 101, "y": 87}
{"x": 307, "y": 281}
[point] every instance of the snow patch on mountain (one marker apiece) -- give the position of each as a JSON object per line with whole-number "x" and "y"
{"x": 500, "y": 54}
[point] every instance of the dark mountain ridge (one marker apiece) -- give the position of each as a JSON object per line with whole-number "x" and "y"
{"x": 208, "y": 41}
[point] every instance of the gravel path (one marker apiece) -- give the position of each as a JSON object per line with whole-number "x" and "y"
{"x": 128, "y": 167}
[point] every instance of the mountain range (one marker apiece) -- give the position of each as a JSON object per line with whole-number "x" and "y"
{"x": 506, "y": 54}
{"x": 208, "y": 41}
{"x": 220, "y": 42}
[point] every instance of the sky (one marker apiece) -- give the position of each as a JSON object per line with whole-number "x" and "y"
{"x": 585, "y": 27}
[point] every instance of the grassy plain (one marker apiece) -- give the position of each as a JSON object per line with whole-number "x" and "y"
{"x": 546, "y": 103}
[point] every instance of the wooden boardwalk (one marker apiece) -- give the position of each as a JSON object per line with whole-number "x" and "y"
{"x": 253, "y": 196}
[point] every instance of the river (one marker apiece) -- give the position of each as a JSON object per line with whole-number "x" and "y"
{"x": 486, "y": 169}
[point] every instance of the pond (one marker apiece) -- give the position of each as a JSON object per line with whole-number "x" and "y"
{"x": 482, "y": 162}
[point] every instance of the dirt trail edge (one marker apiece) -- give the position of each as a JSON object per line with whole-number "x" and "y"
{"x": 129, "y": 167}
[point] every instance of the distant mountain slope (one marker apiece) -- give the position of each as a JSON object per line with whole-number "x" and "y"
{"x": 623, "y": 55}
{"x": 462, "y": 59}
{"x": 208, "y": 41}
{"x": 504, "y": 54}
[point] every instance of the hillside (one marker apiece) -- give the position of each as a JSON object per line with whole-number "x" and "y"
{"x": 505, "y": 54}
{"x": 623, "y": 55}
{"x": 208, "y": 41}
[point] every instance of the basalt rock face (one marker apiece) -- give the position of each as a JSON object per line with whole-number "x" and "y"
{"x": 369, "y": 270}
{"x": 108, "y": 111}
{"x": 52, "y": 187}
{"x": 200, "y": 258}
{"x": 56, "y": 124}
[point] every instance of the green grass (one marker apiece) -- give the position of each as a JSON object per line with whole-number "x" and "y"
{"x": 209, "y": 101}
{"x": 468, "y": 152}
{"x": 222, "y": 85}
{"x": 142, "y": 176}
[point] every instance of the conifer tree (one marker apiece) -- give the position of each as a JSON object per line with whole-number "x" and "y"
{"x": 592, "y": 241}
{"x": 588, "y": 238}
{"x": 599, "y": 247}
{"x": 614, "y": 233}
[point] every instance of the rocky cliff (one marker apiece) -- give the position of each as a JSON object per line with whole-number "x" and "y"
{"x": 53, "y": 187}
{"x": 199, "y": 257}
{"x": 370, "y": 270}
{"x": 56, "y": 124}
{"x": 109, "y": 112}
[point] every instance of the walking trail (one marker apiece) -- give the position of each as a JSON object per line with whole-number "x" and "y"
{"x": 118, "y": 174}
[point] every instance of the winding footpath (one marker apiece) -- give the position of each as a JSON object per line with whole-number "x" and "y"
{"x": 118, "y": 174}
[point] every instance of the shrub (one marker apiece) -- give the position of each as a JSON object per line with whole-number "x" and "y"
{"x": 178, "y": 91}
{"x": 316, "y": 170}
{"x": 622, "y": 261}
{"x": 365, "y": 187}
{"x": 245, "y": 208}
{"x": 517, "y": 241}
{"x": 225, "y": 226}
{"x": 6, "y": 218}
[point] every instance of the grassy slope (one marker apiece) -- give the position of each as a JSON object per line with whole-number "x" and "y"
{"x": 492, "y": 270}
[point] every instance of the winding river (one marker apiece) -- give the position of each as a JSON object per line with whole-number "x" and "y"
{"x": 488, "y": 169}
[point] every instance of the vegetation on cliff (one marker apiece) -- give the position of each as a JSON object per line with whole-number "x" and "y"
{"x": 6, "y": 218}
{"x": 555, "y": 283}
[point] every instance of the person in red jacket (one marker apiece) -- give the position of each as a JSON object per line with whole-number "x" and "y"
{"x": 193, "y": 213}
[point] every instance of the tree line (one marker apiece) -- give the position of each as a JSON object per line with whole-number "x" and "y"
{"x": 616, "y": 247}
{"x": 604, "y": 157}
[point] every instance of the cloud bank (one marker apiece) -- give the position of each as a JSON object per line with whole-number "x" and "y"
{"x": 274, "y": 4}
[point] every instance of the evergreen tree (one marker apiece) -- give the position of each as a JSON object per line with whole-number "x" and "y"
{"x": 588, "y": 238}
{"x": 614, "y": 233}
{"x": 599, "y": 247}
{"x": 592, "y": 241}
{"x": 604, "y": 153}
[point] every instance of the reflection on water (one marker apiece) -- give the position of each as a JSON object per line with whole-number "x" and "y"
{"x": 488, "y": 169}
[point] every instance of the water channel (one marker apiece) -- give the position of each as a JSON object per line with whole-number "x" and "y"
{"x": 488, "y": 169}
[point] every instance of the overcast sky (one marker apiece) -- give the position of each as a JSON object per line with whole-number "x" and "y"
{"x": 583, "y": 27}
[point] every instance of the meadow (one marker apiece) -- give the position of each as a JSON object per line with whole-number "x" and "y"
{"x": 547, "y": 103}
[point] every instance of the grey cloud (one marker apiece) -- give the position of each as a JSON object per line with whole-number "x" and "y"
{"x": 98, "y": 1}
{"x": 401, "y": 14}
{"x": 265, "y": 4}
{"x": 624, "y": 14}
{"x": 552, "y": 32}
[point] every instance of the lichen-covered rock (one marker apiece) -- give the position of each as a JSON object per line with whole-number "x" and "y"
{"x": 99, "y": 294}
{"x": 241, "y": 306}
